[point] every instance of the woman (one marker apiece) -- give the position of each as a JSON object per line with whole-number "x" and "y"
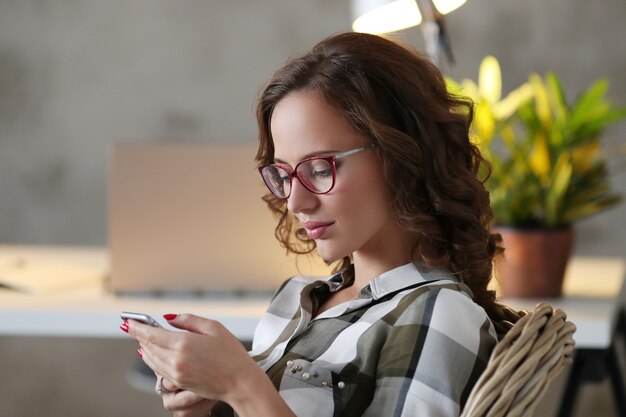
{"x": 368, "y": 161}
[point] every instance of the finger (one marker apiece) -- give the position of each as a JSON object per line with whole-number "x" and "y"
{"x": 190, "y": 322}
{"x": 200, "y": 409}
{"x": 168, "y": 385}
{"x": 193, "y": 323}
{"x": 149, "y": 335}
{"x": 159, "y": 360}
{"x": 182, "y": 400}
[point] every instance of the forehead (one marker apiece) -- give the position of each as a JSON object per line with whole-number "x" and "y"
{"x": 303, "y": 123}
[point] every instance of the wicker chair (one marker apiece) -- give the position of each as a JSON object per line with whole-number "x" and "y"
{"x": 532, "y": 353}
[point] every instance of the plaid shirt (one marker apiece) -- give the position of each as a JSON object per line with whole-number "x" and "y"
{"x": 412, "y": 344}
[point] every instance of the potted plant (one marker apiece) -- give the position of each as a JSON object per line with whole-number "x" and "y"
{"x": 548, "y": 171}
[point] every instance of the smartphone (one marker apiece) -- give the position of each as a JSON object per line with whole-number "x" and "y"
{"x": 140, "y": 317}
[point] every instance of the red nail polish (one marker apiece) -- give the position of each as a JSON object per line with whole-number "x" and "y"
{"x": 140, "y": 352}
{"x": 170, "y": 317}
{"x": 124, "y": 327}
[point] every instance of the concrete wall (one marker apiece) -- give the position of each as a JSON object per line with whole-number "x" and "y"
{"x": 78, "y": 75}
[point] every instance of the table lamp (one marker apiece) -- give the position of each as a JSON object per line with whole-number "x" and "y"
{"x": 384, "y": 16}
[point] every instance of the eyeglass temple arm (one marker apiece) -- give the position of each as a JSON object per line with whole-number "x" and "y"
{"x": 353, "y": 151}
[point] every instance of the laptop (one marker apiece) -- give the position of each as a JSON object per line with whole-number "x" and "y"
{"x": 188, "y": 218}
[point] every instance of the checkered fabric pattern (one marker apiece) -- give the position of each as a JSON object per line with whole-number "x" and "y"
{"x": 412, "y": 344}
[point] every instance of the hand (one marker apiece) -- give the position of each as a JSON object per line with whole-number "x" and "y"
{"x": 206, "y": 360}
{"x": 184, "y": 403}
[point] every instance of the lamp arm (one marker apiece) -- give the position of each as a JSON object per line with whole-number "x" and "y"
{"x": 435, "y": 33}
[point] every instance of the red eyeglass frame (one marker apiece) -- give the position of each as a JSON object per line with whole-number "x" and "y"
{"x": 331, "y": 159}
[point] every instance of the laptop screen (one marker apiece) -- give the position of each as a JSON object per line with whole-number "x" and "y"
{"x": 189, "y": 218}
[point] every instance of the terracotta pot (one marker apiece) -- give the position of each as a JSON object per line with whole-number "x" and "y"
{"x": 534, "y": 261}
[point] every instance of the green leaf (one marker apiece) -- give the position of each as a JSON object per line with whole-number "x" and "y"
{"x": 542, "y": 104}
{"x": 560, "y": 182}
{"x": 490, "y": 80}
{"x": 556, "y": 96}
{"x": 471, "y": 89}
{"x": 454, "y": 88}
{"x": 512, "y": 101}
{"x": 591, "y": 208}
{"x": 589, "y": 99}
{"x": 540, "y": 157}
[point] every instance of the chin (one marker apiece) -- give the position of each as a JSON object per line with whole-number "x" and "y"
{"x": 329, "y": 254}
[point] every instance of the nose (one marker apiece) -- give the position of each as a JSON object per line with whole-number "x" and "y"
{"x": 301, "y": 200}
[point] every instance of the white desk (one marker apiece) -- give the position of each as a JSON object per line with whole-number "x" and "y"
{"x": 93, "y": 313}
{"x": 90, "y": 311}
{"x": 592, "y": 295}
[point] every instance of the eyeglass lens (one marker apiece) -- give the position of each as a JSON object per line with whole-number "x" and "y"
{"x": 315, "y": 174}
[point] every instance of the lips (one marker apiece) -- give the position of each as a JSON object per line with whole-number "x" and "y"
{"x": 316, "y": 230}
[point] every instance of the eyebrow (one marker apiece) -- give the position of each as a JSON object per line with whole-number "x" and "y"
{"x": 310, "y": 155}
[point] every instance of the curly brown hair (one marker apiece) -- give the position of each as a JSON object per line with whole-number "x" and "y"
{"x": 398, "y": 99}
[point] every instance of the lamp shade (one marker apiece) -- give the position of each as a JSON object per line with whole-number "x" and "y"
{"x": 446, "y": 6}
{"x": 383, "y": 16}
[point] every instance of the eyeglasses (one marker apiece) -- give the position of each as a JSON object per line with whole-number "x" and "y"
{"x": 316, "y": 174}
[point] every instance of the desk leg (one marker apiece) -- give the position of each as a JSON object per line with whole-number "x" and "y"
{"x": 573, "y": 385}
{"x": 617, "y": 382}
{"x": 589, "y": 365}
{"x": 615, "y": 370}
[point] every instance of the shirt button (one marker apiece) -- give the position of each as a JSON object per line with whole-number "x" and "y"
{"x": 306, "y": 376}
{"x": 290, "y": 363}
{"x": 341, "y": 385}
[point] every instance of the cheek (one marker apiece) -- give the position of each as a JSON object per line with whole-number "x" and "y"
{"x": 365, "y": 197}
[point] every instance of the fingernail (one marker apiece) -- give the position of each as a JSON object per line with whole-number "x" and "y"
{"x": 124, "y": 326}
{"x": 140, "y": 352}
{"x": 170, "y": 317}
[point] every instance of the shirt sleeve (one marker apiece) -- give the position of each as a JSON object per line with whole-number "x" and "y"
{"x": 432, "y": 357}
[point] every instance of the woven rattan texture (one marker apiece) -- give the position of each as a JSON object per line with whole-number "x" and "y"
{"x": 530, "y": 355}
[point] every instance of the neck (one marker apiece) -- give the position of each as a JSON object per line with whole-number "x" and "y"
{"x": 366, "y": 269}
{"x": 384, "y": 256}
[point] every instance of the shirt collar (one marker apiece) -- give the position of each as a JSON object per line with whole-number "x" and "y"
{"x": 316, "y": 292}
{"x": 402, "y": 277}
{"x": 392, "y": 281}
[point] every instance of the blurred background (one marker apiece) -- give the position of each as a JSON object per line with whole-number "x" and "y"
{"x": 79, "y": 75}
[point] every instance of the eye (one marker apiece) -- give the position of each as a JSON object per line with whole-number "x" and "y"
{"x": 277, "y": 176}
{"x": 320, "y": 169}
{"x": 322, "y": 173}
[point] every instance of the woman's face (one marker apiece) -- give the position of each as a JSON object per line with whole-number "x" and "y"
{"x": 355, "y": 216}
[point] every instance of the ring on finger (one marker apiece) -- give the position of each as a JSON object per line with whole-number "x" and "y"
{"x": 161, "y": 388}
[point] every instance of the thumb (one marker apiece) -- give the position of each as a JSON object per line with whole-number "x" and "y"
{"x": 190, "y": 322}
